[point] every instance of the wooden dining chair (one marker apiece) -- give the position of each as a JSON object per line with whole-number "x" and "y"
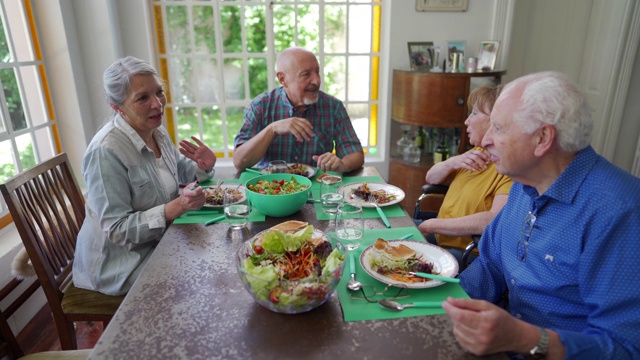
{"x": 48, "y": 210}
{"x": 17, "y": 294}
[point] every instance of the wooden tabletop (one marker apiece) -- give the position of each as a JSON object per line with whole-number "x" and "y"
{"x": 189, "y": 303}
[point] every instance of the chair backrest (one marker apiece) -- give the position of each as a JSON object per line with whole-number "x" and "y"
{"x": 9, "y": 346}
{"x": 48, "y": 210}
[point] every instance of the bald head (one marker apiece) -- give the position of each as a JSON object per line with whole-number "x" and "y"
{"x": 298, "y": 72}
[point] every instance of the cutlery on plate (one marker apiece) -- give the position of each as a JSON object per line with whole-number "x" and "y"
{"x": 372, "y": 200}
{"x": 434, "y": 277}
{"x": 215, "y": 219}
{"x": 396, "y": 306}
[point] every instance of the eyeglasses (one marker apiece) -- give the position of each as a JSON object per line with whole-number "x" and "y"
{"x": 390, "y": 292}
{"x": 523, "y": 244}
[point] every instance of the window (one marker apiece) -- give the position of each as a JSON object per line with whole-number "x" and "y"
{"x": 28, "y": 130}
{"x": 217, "y": 55}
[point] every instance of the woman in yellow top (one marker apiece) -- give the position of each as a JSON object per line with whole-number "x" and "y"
{"x": 476, "y": 191}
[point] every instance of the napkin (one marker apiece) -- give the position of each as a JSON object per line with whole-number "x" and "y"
{"x": 359, "y": 310}
{"x": 394, "y": 210}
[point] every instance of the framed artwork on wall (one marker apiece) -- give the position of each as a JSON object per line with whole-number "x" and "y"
{"x": 487, "y": 54}
{"x": 421, "y": 55}
{"x": 441, "y": 5}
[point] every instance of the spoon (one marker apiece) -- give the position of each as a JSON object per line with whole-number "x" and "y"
{"x": 353, "y": 284}
{"x": 396, "y": 306}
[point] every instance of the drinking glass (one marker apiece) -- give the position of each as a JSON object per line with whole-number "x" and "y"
{"x": 236, "y": 207}
{"x": 278, "y": 167}
{"x": 330, "y": 197}
{"x": 350, "y": 225}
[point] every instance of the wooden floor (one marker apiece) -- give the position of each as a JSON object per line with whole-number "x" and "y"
{"x": 41, "y": 334}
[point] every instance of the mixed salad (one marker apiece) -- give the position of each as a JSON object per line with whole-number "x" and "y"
{"x": 292, "y": 269}
{"x": 364, "y": 192}
{"x": 398, "y": 268}
{"x": 277, "y": 187}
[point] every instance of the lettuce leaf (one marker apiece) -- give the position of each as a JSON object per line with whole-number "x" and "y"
{"x": 277, "y": 242}
{"x": 261, "y": 279}
{"x": 333, "y": 262}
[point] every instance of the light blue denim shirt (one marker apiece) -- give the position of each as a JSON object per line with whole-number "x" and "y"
{"x": 125, "y": 207}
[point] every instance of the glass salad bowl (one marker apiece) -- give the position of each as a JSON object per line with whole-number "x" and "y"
{"x": 290, "y": 273}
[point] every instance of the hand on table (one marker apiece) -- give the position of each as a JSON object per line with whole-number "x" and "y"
{"x": 483, "y": 328}
{"x": 329, "y": 162}
{"x": 198, "y": 152}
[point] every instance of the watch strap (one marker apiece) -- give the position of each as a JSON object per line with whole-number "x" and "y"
{"x": 543, "y": 344}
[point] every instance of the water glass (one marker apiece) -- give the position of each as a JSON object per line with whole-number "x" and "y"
{"x": 350, "y": 225}
{"x": 278, "y": 167}
{"x": 236, "y": 207}
{"x": 330, "y": 197}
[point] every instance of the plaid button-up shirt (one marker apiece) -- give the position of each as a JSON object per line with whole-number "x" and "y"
{"x": 331, "y": 125}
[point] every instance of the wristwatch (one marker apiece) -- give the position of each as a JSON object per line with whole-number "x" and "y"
{"x": 540, "y": 350}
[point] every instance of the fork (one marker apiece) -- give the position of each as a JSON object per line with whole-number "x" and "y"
{"x": 372, "y": 200}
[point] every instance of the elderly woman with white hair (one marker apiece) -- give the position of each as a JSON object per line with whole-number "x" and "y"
{"x": 133, "y": 170}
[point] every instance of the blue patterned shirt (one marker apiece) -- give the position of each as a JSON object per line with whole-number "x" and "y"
{"x": 331, "y": 126}
{"x": 580, "y": 274}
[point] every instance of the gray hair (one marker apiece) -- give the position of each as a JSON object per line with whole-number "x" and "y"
{"x": 552, "y": 98}
{"x": 117, "y": 77}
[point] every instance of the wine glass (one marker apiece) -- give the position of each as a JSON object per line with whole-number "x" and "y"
{"x": 350, "y": 225}
{"x": 330, "y": 196}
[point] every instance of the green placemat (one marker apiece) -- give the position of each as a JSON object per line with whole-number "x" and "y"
{"x": 394, "y": 210}
{"x": 359, "y": 310}
{"x": 192, "y": 217}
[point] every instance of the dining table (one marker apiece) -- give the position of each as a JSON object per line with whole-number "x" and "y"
{"x": 189, "y": 303}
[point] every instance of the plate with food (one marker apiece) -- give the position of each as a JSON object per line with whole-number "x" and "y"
{"x": 384, "y": 194}
{"x": 213, "y": 195}
{"x": 391, "y": 261}
{"x": 307, "y": 171}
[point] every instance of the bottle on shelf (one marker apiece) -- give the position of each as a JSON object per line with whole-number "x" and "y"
{"x": 421, "y": 138}
{"x": 404, "y": 140}
{"x": 411, "y": 153}
{"x": 441, "y": 152}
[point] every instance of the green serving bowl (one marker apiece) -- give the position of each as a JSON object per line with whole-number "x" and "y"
{"x": 279, "y": 205}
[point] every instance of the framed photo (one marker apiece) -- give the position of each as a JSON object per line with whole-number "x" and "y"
{"x": 455, "y": 47}
{"x": 441, "y": 5}
{"x": 421, "y": 55}
{"x": 487, "y": 54}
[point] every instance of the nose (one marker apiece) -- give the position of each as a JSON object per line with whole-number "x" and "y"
{"x": 487, "y": 140}
{"x": 466, "y": 122}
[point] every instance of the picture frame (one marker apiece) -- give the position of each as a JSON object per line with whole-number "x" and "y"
{"x": 487, "y": 54}
{"x": 421, "y": 55}
{"x": 442, "y": 5}
{"x": 453, "y": 47}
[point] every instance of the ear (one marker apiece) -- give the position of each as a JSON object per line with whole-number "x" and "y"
{"x": 545, "y": 139}
{"x": 281, "y": 77}
{"x": 116, "y": 108}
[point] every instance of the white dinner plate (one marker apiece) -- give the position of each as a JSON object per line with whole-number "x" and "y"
{"x": 443, "y": 263}
{"x": 222, "y": 188}
{"x": 347, "y": 191}
{"x": 309, "y": 171}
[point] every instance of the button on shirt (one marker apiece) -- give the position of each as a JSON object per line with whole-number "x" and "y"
{"x": 127, "y": 192}
{"x": 331, "y": 126}
{"x": 580, "y": 274}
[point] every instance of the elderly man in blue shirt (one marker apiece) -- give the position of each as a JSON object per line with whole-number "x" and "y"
{"x": 564, "y": 247}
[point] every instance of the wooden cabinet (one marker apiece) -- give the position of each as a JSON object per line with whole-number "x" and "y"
{"x": 436, "y": 100}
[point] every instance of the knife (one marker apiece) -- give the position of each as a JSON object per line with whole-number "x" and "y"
{"x": 383, "y": 217}
{"x": 217, "y": 218}
{"x": 435, "y": 277}
{"x": 251, "y": 170}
